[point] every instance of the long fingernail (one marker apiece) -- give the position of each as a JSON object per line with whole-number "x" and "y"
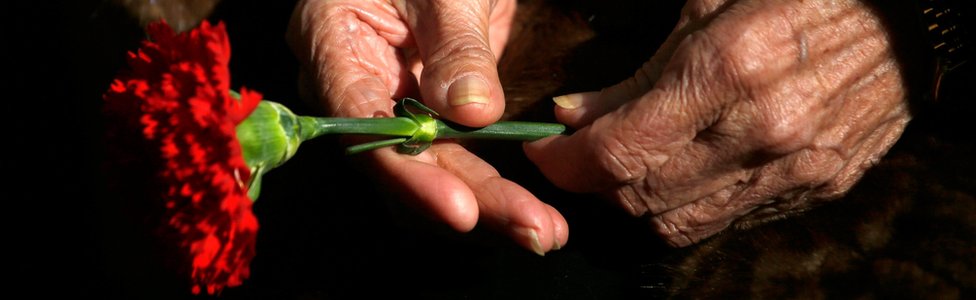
{"x": 468, "y": 89}
{"x": 571, "y": 101}
{"x": 556, "y": 245}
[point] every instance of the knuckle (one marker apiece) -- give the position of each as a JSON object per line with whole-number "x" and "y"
{"x": 619, "y": 159}
{"x": 686, "y": 227}
{"x": 843, "y": 181}
{"x": 764, "y": 215}
{"x": 676, "y": 234}
{"x": 815, "y": 169}
{"x": 752, "y": 48}
{"x": 778, "y": 133}
{"x": 468, "y": 47}
{"x": 697, "y": 10}
{"x": 630, "y": 198}
{"x": 736, "y": 54}
{"x": 320, "y": 16}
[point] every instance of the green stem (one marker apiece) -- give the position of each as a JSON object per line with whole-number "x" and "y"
{"x": 313, "y": 127}
{"x": 505, "y": 130}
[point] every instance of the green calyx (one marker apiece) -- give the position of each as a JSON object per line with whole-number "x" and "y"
{"x": 269, "y": 136}
{"x": 426, "y": 131}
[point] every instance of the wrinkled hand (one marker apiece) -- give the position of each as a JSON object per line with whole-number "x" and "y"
{"x": 361, "y": 54}
{"x": 750, "y": 110}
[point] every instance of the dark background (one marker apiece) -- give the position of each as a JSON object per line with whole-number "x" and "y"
{"x": 327, "y": 231}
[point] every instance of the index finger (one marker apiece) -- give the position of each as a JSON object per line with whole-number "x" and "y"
{"x": 349, "y": 50}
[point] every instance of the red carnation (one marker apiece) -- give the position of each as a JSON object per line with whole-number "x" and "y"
{"x": 207, "y": 150}
{"x": 177, "y": 95}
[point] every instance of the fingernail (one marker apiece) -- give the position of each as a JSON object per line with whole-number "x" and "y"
{"x": 468, "y": 89}
{"x": 533, "y": 239}
{"x": 556, "y": 245}
{"x": 571, "y": 101}
{"x": 536, "y": 245}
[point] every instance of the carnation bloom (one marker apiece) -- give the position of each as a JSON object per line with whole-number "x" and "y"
{"x": 177, "y": 92}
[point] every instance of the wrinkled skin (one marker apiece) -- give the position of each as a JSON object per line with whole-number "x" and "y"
{"x": 751, "y": 110}
{"x": 361, "y": 54}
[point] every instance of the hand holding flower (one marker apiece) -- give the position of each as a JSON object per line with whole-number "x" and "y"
{"x": 213, "y": 145}
{"x": 360, "y": 54}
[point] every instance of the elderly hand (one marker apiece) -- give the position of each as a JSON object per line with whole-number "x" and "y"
{"x": 360, "y": 54}
{"x": 751, "y": 109}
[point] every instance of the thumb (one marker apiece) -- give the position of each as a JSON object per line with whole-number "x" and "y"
{"x": 459, "y": 77}
{"x": 580, "y": 109}
{"x": 624, "y": 146}
{"x": 620, "y": 149}
{"x": 594, "y": 158}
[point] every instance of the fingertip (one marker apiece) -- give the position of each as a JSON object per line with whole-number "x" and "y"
{"x": 538, "y": 153}
{"x": 529, "y": 238}
{"x": 449, "y": 200}
{"x": 534, "y": 230}
{"x": 575, "y": 109}
{"x": 462, "y": 216}
{"x": 560, "y": 228}
{"x": 550, "y": 231}
{"x": 569, "y": 162}
{"x": 541, "y": 152}
{"x": 514, "y": 210}
{"x": 535, "y": 148}
{"x": 573, "y": 101}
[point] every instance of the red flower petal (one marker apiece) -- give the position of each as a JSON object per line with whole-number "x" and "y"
{"x": 177, "y": 94}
